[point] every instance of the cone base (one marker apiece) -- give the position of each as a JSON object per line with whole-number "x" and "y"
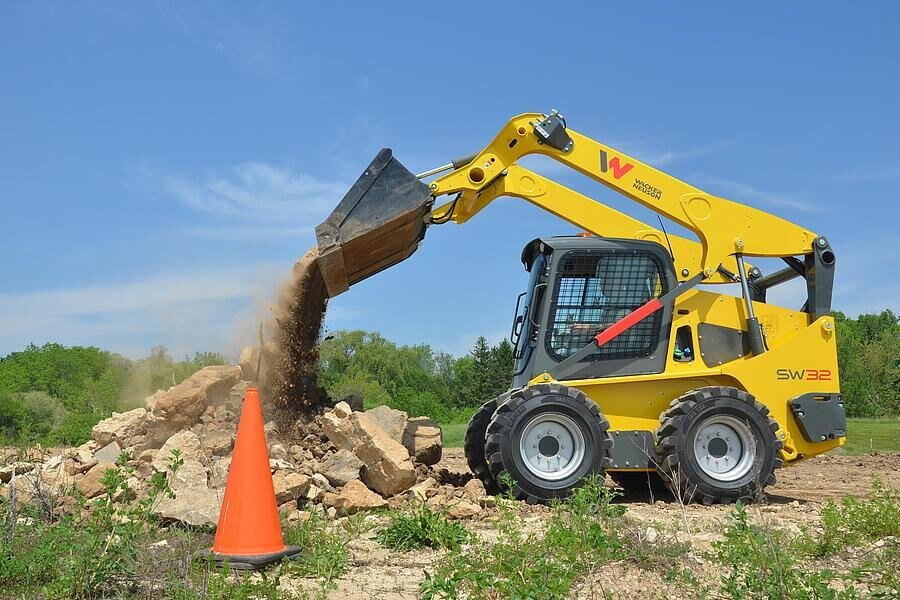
{"x": 246, "y": 562}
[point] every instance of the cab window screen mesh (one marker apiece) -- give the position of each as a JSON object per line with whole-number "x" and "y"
{"x": 593, "y": 290}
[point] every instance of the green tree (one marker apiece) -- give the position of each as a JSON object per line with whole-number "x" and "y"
{"x": 502, "y": 362}
{"x": 55, "y": 394}
{"x": 869, "y": 363}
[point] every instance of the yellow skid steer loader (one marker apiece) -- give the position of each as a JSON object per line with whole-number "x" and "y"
{"x": 623, "y": 365}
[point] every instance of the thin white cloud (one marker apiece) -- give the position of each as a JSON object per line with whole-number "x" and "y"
{"x": 154, "y": 292}
{"x": 668, "y": 157}
{"x": 245, "y": 233}
{"x": 867, "y": 174}
{"x": 741, "y": 192}
{"x": 863, "y": 266}
{"x": 253, "y": 191}
{"x": 184, "y": 311}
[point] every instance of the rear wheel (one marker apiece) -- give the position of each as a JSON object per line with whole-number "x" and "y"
{"x": 717, "y": 444}
{"x": 474, "y": 442}
{"x": 547, "y": 438}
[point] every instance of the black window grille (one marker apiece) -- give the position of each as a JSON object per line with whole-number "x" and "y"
{"x": 593, "y": 290}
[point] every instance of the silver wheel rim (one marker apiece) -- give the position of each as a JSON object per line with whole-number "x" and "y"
{"x": 552, "y": 446}
{"x": 725, "y": 448}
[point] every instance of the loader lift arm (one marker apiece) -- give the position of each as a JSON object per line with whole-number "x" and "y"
{"x": 724, "y": 227}
{"x": 383, "y": 218}
{"x": 583, "y": 212}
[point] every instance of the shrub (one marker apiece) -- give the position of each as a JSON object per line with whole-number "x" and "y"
{"x": 852, "y": 522}
{"x": 420, "y": 526}
{"x": 758, "y": 563}
{"x": 581, "y": 535}
{"x": 324, "y": 556}
{"x": 91, "y": 553}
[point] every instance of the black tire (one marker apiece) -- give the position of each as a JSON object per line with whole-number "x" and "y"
{"x": 677, "y": 455}
{"x": 473, "y": 445}
{"x": 509, "y": 424}
{"x": 641, "y": 483}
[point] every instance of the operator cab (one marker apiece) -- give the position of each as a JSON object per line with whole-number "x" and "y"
{"x": 577, "y": 287}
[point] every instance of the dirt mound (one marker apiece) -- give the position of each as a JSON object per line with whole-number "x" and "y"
{"x": 293, "y": 392}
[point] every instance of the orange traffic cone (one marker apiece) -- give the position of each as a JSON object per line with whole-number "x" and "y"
{"x": 249, "y": 531}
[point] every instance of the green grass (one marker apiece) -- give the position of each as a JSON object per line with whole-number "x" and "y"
{"x": 872, "y": 435}
{"x": 454, "y": 434}
{"x": 863, "y": 435}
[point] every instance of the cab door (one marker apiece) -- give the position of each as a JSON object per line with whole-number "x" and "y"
{"x": 595, "y": 282}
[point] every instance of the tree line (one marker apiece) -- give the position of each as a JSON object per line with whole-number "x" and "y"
{"x": 55, "y": 394}
{"x": 415, "y": 379}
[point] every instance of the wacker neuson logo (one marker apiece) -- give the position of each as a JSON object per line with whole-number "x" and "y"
{"x": 618, "y": 169}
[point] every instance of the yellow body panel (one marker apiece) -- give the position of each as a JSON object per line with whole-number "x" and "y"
{"x": 635, "y": 402}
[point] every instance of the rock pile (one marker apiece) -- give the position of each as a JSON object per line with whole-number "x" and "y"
{"x": 347, "y": 461}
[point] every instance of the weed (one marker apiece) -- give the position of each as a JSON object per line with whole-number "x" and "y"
{"x": 323, "y": 554}
{"x": 421, "y": 526}
{"x": 581, "y": 534}
{"x": 759, "y": 564}
{"x": 221, "y": 583}
{"x": 357, "y": 524}
{"x": 88, "y": 554}
{"x": 879, "y": 572}
{"x": 853, "y": 522}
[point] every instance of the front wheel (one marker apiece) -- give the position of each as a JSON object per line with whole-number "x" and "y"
{"x": 547, "y": 438}
{"x": 717, "y": 444}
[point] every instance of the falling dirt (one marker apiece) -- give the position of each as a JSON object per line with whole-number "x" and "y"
{"x": 293, "y": 392}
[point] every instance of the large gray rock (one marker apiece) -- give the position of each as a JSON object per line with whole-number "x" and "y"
{"x": 186, "y": 442}
{"x": 218, "y": 473}
{"x": 341, "y": 467}
{"x": 289, "y": 486}
{"x": 216, "y": 440}
{"x": 355, "y": 497}
{"x": 424, "y": 440}
{"x": 387, "y": 468}
{"x": 194, "y": 503}
{"x": 181, "y": 406}
{"x": 108, "y": 454}
{"x": 393, "y": 421}
{"x": 191, "y": 475}
{"x": 195, "y": 507}
{"x": 127, "y": 429}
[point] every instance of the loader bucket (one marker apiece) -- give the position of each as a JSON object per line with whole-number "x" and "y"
{"x": 377, "y": 224}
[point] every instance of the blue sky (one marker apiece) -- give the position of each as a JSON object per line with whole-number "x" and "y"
{"x": 162, "y": 164}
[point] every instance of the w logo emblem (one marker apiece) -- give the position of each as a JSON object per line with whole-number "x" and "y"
{"x": 618, "y": 169}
